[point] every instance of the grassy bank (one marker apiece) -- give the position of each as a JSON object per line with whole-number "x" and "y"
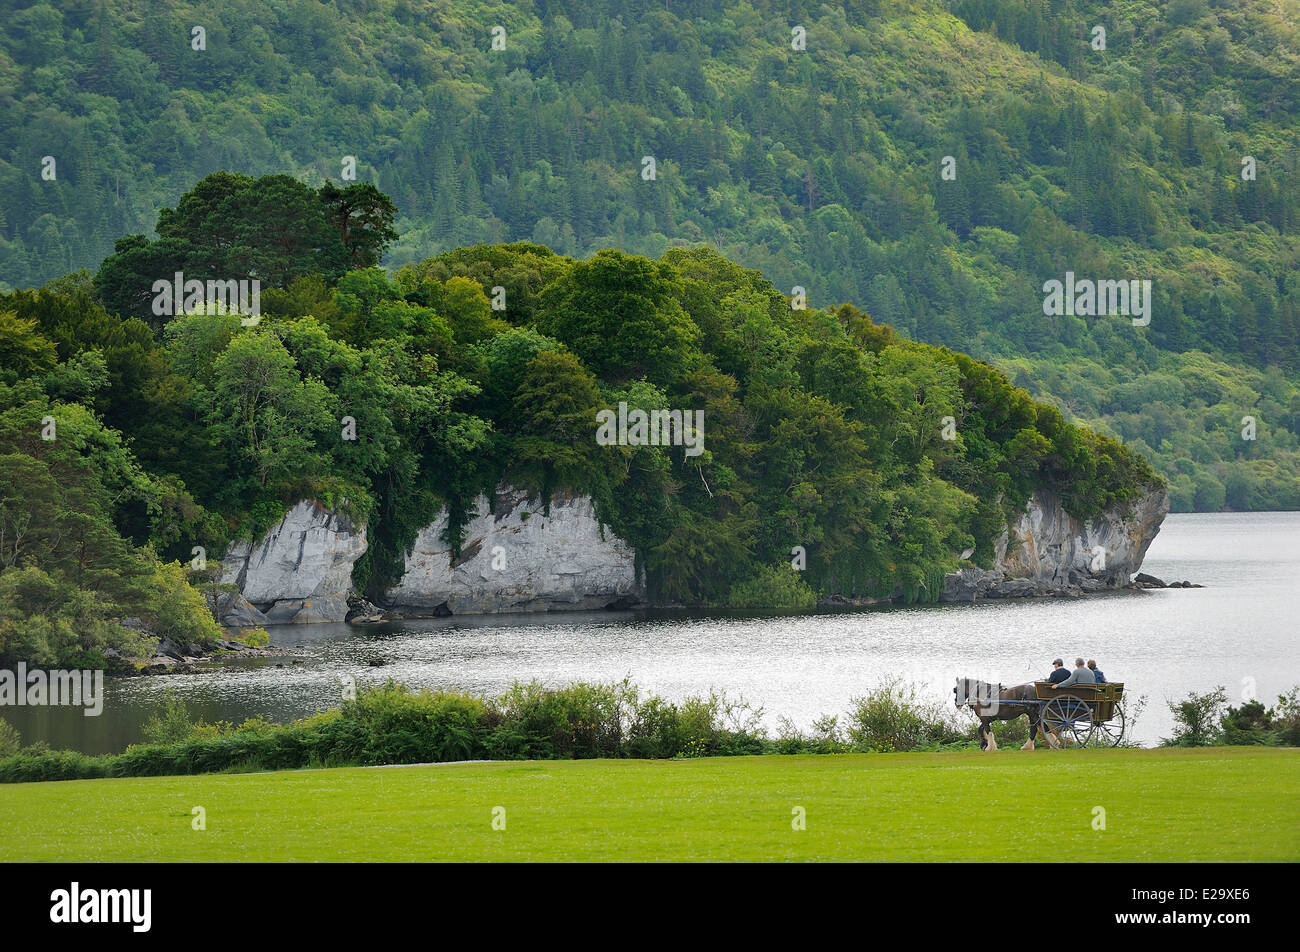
{"x": 1214, "y": 804}
{"x": 393, "y": 724}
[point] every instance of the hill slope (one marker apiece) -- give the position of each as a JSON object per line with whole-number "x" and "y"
{"x": 820, "y": 167}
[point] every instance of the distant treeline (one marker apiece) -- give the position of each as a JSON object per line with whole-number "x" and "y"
{"x": 819, "y": 167}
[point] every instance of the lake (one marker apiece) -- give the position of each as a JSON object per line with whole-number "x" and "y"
{"x": 1240, "y": 631}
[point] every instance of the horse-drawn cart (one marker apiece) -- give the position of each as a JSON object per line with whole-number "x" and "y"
{"x": 1083, "y": 714}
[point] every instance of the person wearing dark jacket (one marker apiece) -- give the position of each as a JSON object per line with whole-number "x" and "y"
{"x": 1059, "y": 673}
{"x": 1096, "y": 673}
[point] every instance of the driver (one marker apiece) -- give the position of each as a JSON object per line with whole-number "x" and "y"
{"x": 1059, "y": 673}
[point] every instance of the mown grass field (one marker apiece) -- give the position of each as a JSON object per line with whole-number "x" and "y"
{"x": 1215, "y": 804}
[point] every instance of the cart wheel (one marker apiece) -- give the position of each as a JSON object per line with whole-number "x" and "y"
{"x": 1110, "y": 733}
{"x": 1069, "y": 719}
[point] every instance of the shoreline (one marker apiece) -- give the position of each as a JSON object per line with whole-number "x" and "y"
{"x": 232, "y": 651}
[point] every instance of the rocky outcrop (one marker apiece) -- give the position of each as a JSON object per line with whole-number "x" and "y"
{"x": 300, "y": 572}
{"x": 1142, "y": 580}
{"x": 517, "y": 557}
{"x": 233, "y": 610}
{"x": 1046, "y": 551}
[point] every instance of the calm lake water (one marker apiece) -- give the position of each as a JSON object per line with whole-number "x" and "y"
{"x": 1162, "y": 644}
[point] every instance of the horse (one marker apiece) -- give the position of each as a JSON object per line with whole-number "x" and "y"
{"x": 997, "y": 702}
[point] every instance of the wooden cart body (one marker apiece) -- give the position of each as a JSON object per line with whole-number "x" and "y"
{"x": 1101, "y": 698}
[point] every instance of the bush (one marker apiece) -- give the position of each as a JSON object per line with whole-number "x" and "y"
{"x": 10, "y": 739}
{"x": 718, "y": 725}
{"x": 172, "y": 723}
{"x": 30, "y": 766}
{"x": 1207, "y": 720}
{"x": 394, "y": 725}
{"x": 581, "y": 720}
{"x": 775, "y": 587}
{"x": 655, "y": 730}
{"x": 1248, "y": 724}
{"x": 253, "y": 637}
{"x": 1286, "y": 718}
{"x": 1253, "y": 723}
{"x": 1198, "y": 720}
{"x": 891, "y": 717}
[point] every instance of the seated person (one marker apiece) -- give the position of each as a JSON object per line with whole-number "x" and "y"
{"x": 1059, "y": 673}
{"x": 1081, "y": 675}
{"x": 1092, "y": 666}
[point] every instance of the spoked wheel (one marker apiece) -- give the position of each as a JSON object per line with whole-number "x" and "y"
{"x": 1069, "y": 719}
{"x": 1110, "y": 733}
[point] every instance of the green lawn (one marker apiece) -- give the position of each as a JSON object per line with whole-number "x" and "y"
{"x": 1230, "y": 804}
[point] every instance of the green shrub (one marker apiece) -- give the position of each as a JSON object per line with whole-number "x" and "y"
{"x": 719, "y": 725}
{"x": 395, "y": 725}
{"x": 1253, "y": 723}
{"x": 1248, "y": 724}
{"x": 655, "y": 729}
{"x": 10, "y": 739}
{"x": 1286, "y": 718}
{"x": 392, "y": 724}
{"x": 30, "y": 766}
{"x": 253, "y": 637}
{"x": 1198, "y": 720}
{"x": 775, "y": 587}
{"x": 580, "y": 720}
{"x": 172, "y": 723}
{"x": 891, "y": 717}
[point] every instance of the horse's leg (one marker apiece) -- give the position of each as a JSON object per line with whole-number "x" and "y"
{"x": 1033, "y": 732}
{"x": 986, "y": 728}
{"x": 1051, "y": 738}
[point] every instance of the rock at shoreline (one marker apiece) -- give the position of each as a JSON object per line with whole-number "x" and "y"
{"x": 233, "y": 610}
{"x": 301, "y": 570}
{"x": 1046, "y": 551}
{"x": 169, "y": 649}
{"x": 363, "y": 612}
{"x": 1142, "y": 580}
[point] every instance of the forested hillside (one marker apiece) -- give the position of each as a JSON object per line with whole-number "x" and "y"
{"x": 128, "y": 441}
{"x": 820, "y": 167}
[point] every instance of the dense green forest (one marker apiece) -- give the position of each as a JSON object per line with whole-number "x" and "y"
{"x": 127, "y": 440}
{"x": 820, "y": 167}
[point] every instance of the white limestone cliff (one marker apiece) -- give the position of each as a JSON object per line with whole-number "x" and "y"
{"x": 300, "y": 572}
{"x": 1046, "y": 550}
{"x": 518, "y": 559}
